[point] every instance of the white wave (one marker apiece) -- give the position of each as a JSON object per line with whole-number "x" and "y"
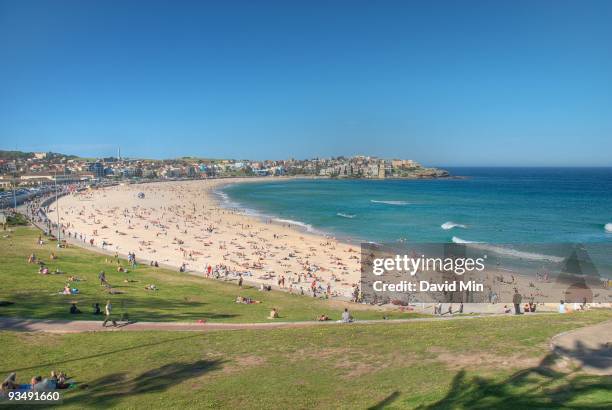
{"x": 227, "y": 203}
{"x": 456, "y": 239}
{"x": 608, "y": 227}
{"x": 307, "y": 227}
{"x": 346, "y": 215}
{"x": 450, "y": 225}
{"x": 397, "y": 203}
{"x": 509, "y": 251}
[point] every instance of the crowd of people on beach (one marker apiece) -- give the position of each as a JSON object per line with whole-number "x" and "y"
{"x": 193, "y": 228}
{"x": 179, "y": 220}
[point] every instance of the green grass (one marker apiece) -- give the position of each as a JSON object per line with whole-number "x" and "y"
{"x": 485, "y": 363}
{"x": 182, "y": 297}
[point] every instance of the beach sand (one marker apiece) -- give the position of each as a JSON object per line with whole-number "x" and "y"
{"x": 184, "y": 222}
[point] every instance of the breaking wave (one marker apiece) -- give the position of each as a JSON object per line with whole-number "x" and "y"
{"x": 306, "y": 226}
{"x": 349, "y": 216}
{"x": 456, "y": 239}
{"x": 450, "y": 225}
{"x": 396, "y": 203}
{"x": 515, "y": 253}
{"x": 608, "y": 227}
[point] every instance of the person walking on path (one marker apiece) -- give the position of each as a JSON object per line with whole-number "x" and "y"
{"x": 517, "y": 299}
{"x": 108, "y": 309}
{"x": 102, "y": 277}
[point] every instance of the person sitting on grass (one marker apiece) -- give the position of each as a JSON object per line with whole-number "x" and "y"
{"x": 273, "y": 314}
{"x": 67, "y": 289}
{"x": 61, "y": 380}
{"x": 151, "y": 287}
{"x": 74, "y": 310}
{"x": 346, "y": 316}
{"x": 9, "y": 384}
{"x": 323, "y": 318}
{"x": 97, "y": 310}
{"x": 46, "y": 384}
{"x": 562, "y": 307}
{"x": 32, "y": 258}
{"x": 34, "y": 381}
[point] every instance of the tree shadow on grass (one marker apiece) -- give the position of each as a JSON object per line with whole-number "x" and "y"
{"x": 385, "y": 402}
{"x": 36, "y": 305}
{"x": 61, "y": 363}
{"x": 108, "y": 390}
{"x": 599, "y": 358}
{"x": 537, "y": 387}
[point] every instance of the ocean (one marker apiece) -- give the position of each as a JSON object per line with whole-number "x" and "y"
{"x": 493, "y": 205}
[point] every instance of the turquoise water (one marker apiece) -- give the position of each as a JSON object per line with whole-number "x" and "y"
{"x": 496, "y": 205}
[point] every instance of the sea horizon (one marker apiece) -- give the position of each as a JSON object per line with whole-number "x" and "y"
{"x": 477, "y": 204}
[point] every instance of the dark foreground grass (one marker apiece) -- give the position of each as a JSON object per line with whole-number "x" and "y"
{"x": 181, "y": 297}
{"x": 484, "y": 363}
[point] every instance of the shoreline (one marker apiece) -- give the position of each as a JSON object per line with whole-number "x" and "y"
{"x": 311, "y": 257}
{"x": 277, "y": 220}
{"x": 264, "y": 248}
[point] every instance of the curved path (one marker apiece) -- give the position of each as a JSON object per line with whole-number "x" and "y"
{"x": 77, "y": 326}
{"x": 590, "y": 347}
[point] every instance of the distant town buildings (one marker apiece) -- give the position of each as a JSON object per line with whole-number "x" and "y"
{"x": 21, "y": 168}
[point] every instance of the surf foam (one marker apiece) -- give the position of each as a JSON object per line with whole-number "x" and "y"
{"x": 306, "y": 226}
{"x": 515, "y": 253}
{"x": 450, "y": 225}
{"x": 396, "y": 203}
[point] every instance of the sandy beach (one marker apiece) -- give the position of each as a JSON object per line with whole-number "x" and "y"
{"x": 186, "y": 223}
{"x": 178, "y": 223}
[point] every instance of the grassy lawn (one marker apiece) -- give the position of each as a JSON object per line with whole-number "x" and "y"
{"x": 497, "y": 362}
{"x": 181, "y": 297}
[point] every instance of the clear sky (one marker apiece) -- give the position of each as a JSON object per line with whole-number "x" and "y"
{"x": 445, "y": 83}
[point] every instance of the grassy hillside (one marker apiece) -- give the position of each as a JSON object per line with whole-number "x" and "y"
{"x": 181, "y": 297}
{"x": 497, "y": 362}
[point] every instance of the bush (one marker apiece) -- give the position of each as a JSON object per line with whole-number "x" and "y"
{"x": 16, "y": 219}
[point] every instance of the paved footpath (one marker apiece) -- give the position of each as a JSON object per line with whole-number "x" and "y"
{"x": 590, "y": 347}
{"x": 76, "y": 326}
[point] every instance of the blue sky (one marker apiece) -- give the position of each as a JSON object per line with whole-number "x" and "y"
{"x": 445, "y": 83}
